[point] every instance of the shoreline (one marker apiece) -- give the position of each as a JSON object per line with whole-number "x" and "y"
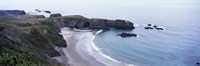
{"x": 76, "y": 55}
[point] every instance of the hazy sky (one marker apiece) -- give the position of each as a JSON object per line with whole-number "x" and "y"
{"x": 99, "y": 8}
{"x": 50, "y": 4}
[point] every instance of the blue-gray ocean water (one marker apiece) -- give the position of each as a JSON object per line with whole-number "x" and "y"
{"x": 177, "y": 45}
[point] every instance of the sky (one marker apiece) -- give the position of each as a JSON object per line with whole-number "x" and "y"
{"x": 98, "y": 8}
{"x": 50, "y": 4}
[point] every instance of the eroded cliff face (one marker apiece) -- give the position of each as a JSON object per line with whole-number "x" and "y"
{"x": 121, "y": 24}
{"x": 97, "y": 23}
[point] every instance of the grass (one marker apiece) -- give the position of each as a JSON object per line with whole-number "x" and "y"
{"x": 29, "y": 41}
{"x": 75, "y": 16}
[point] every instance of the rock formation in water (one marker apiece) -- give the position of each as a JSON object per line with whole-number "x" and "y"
{"x": 150, "y": 26}
{"x": 159, "y": 28}
{"x": 127, "y": 35}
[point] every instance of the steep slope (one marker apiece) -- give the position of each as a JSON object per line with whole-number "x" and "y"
{"x": 29, "y": 41}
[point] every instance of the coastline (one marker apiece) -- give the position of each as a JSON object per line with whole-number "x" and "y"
{"x": 76, "y": 55}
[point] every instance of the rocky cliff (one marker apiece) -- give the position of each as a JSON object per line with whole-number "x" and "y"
{"x": 12, "y": 12}
{"x": 97, "y": 23}
{"x": 26, "y": 41}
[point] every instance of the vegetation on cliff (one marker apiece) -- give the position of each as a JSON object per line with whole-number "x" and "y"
{"x": 29, "y": 41}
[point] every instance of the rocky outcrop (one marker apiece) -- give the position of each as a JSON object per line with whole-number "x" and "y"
{"x": 12, "y": 12}
{"x": 149, "y": 24}
{"x": 121, "y": 24}
{"x": 148, "y": 28}
{"x": 48, "y": 12}
{"x": 71, "y": 22}
{"x": 159, "y": 28}
{"x": 56, "y": 15}
{"x": 82, "y": 24}
{"x": 127, "y": 35}
{"x": 97, "y": 23}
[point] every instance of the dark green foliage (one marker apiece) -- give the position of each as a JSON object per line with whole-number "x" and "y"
{"x": 29, "y": 41}
{"x": 75, "y": 16}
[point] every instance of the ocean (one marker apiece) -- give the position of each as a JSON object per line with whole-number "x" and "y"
{"x": 177, "y": 45}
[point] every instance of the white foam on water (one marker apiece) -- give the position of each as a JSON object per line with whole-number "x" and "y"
{"x": 86, "y": 45}
{"x": 95, "y": 52}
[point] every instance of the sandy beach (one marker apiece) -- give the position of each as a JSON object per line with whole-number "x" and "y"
{"x": 75, "y": 53}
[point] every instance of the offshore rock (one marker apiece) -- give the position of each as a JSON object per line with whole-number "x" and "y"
{"x": 127, "y": 35}
{"x": 148, "y": 28}
{"x": 159, "y": 28}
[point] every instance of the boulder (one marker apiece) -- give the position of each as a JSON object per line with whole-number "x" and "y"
{"x": 149, "y": 24}
{"x": 127, "y": 34}
{"x": 37, "y": 10}
{"x": 12, "y": 12}
{"x": 159, "y": 28}
{"x": 155, "y": 26}
{"x": 56, "y": 15}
